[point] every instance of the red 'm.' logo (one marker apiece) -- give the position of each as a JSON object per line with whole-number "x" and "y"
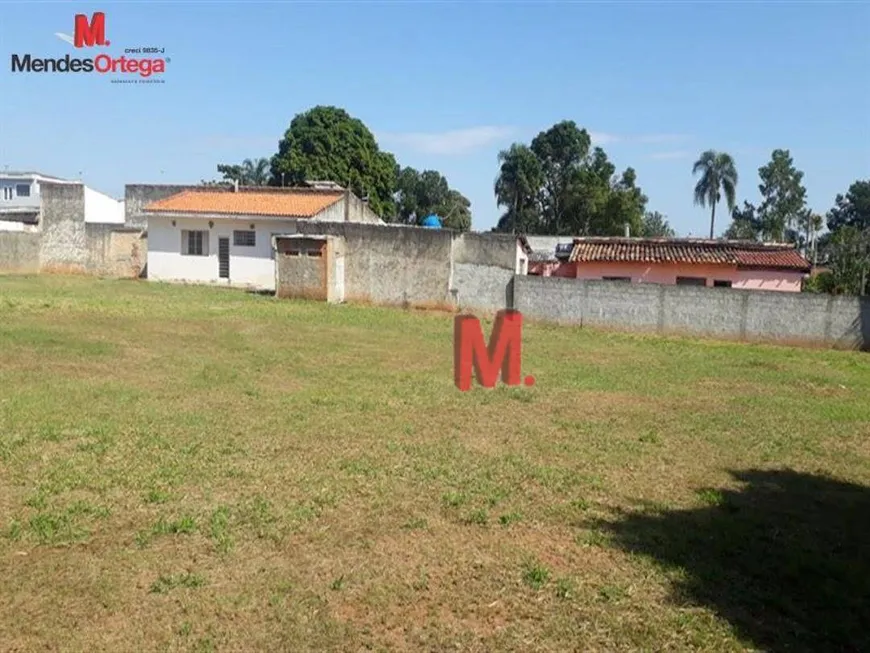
{"x": 90, "y": 33}
{"x": 501, "y": 359}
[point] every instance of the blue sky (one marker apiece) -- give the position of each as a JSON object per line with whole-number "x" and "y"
{"x": 446, "y": 85}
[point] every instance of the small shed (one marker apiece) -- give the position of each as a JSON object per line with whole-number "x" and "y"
{"x": 309, "y": 267}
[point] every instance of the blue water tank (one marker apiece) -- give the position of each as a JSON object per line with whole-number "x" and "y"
{"x": 432, "y": 222}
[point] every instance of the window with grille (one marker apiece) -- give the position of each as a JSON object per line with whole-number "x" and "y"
{"x": 244, "y": 238}
{"x": 194, "y": 243}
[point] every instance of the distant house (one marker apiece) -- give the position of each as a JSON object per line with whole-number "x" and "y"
{"x": 20, "y": 201}
{"x": 683, "y": 261}
{"x": 224, "y": 236}
{"x": 546, "y": 254}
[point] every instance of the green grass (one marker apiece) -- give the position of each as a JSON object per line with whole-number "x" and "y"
{"x": 191, "y": 468}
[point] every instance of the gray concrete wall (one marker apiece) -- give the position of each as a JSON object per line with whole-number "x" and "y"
{"x": 300, "y": 275}
{"x": 431, "y": 268}
{"x": 392, "y": 265}
{"x": 64, "y": 243}
{"x": 723, "y": 312}
{"x": 63, "y": 247}
{"x": 19, "y": 252}
{"x": 115, "y": 252}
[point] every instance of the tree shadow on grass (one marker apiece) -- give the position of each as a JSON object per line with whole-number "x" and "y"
{"x": 786, "y": 560}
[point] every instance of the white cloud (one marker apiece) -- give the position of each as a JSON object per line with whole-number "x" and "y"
{"x": 459, "y": 141}
{"x": 679, "y": 154}
{"x": 606, "y": 138}
{"x": 603, "y": 138}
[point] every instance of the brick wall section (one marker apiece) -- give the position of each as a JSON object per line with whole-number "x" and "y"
{"x": 724, "y": 312}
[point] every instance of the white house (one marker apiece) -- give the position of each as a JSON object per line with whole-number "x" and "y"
{"x": 224, "y": 236}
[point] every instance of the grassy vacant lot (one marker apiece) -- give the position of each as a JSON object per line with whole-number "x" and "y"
{"x": 198, "y": 469}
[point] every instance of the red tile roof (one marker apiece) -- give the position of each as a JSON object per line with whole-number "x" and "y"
{"x": 290, "y": 204}
{"x": 693, "y": 251}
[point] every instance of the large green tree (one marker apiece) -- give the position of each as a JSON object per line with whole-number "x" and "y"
{"x": 420, "y": 194}
{"x": 718, "y": 175}
{"x": 327, "y": 143}
{"x": 517, "y": 188}
{"x": 783, "y": 197}
{"x": 851, "y": 209}
{"x": 561, "y": 151}
{"x": 845, "y": 249}
{"x": 558, "y": 186}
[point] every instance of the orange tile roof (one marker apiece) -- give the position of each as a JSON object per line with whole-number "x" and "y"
{"x": 285, "y": 204}
{"x": 675, "y": 250}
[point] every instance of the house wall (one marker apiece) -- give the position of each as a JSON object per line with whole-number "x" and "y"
{"x": 667, "y": 273}
{"x": 768, "y": 280}
{"x": 249, "y": 266}
{"x": 17, "y": 201}
{"x": 724, "y": 312}
{"x": 101, "y": 208}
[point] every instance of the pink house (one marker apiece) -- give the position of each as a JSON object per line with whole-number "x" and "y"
{"x": 682, "y": 261}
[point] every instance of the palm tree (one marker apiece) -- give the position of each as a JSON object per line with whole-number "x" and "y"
{"x": 255, "y": 172}
{"x": 718, "y": 175}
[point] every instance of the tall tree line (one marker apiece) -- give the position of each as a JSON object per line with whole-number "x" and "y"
{"x": 783, "y": 216}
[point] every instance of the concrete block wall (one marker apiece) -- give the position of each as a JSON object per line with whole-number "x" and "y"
{"x": 66, "y": 243}
{"x": 116, "y": 252}
{"x": 63, "y": 246}
{"x": 19, "y": 252}
{"x": 723, "y": 312}
{"x": 412, "y": 266}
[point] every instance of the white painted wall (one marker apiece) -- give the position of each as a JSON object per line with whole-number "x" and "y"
{"x": 102, "y": 208}
{"x": 249, "y": 266}
{"x": 8, "y": 225}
